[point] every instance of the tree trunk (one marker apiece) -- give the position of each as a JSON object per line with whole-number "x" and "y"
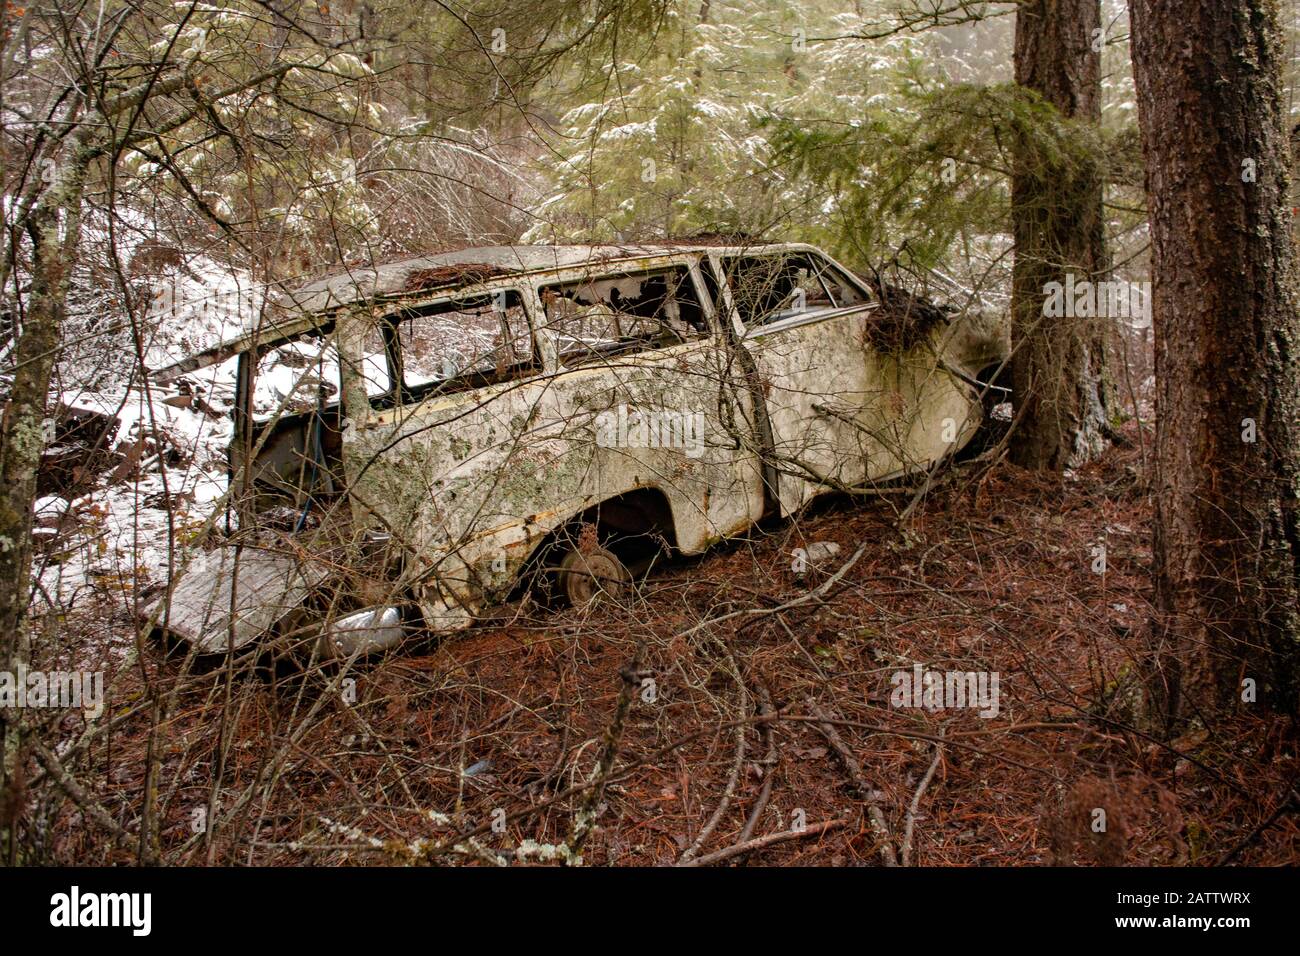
{"x": 1227, "y": 355}
{"x": 55, "y": 229}
{"x": 1295, "y": 183}
{"x": 1058, "y": 370}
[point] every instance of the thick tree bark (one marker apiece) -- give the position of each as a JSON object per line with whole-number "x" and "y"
{"x": 1058, "y": 370}
{"x": 1295, "y": 183}
{"x": 1227, "y": 354}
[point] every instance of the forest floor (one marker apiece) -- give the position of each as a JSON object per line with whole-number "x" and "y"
{"x": 497, "y": 731}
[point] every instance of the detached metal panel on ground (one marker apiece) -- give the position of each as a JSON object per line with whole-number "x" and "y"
{"x": 266, "y": 587}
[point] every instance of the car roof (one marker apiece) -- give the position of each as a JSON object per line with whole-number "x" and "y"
{"x": 461, "y": 266}
{"x": 426, "y": 275}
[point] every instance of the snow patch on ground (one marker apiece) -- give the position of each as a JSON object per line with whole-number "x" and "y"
{"x": 117, "y": 536}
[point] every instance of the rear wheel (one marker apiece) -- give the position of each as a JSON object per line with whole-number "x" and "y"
{"x": 587, "y": 574}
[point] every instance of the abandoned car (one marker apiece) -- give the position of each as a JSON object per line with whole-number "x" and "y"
{"x": 415, "y": 442}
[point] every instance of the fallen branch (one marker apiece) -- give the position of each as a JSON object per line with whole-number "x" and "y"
{"x": 584, "y": 819}
{"x": 874, "y": 815}
{"x": 68, "y": 784}
{"x": 737, "y": 765}
{"x": 431, "y": 852}
{"x": 759, "y": 842}
{"x": 765, "y": 710}
{"x": 1292, "y": 802}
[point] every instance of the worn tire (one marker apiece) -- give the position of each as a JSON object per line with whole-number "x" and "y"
{"x": 585, "y": 576}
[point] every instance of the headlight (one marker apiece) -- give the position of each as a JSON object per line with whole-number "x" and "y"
{"x": 365, "y": 632}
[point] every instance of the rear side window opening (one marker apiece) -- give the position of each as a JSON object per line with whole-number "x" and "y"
{"x": 287, "y": 406}
{"x": 295, "y": 377}
{"x": 445, "y": 347}
{"x": 300, "y": 375}
{"x": 771, "y": 288}
{"x": 615, "y": 315}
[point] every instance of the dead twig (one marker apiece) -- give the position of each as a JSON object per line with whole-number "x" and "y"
{"x": 742, "y": 706}
{"x": 1292, "y": 802}
{"x": 76, "y": 793}
{"x": 584, "y": 819}
{"x": 906, "y": 850}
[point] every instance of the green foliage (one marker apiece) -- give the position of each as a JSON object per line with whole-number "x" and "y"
{"x": 930, "y": 170}
{"x": 778, "y": 118}
{"x": 676, "y": 142}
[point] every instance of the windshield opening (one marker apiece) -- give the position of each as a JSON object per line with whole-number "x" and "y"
{"x": 771, "y": 288}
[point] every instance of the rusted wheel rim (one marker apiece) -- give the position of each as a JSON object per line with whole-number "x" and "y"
{"x": 588, "y": 575}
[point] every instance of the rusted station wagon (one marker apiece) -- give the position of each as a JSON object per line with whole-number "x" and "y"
{"x": 416, "y": 441}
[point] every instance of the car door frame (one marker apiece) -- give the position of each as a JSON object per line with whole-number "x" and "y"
{"x": 720, "y": 333}
{"x": 788, "y": 492}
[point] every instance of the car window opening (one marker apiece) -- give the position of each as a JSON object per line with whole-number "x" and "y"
{"x": 625, "y": 314}
{"x": 463, "y": 344}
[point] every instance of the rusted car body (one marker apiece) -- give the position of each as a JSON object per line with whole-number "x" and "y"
{"x": 439, "y": 430}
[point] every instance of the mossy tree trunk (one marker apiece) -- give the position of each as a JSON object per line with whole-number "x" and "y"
{"x": 1058, "y": 370}
{"x": 53, "y": 228}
